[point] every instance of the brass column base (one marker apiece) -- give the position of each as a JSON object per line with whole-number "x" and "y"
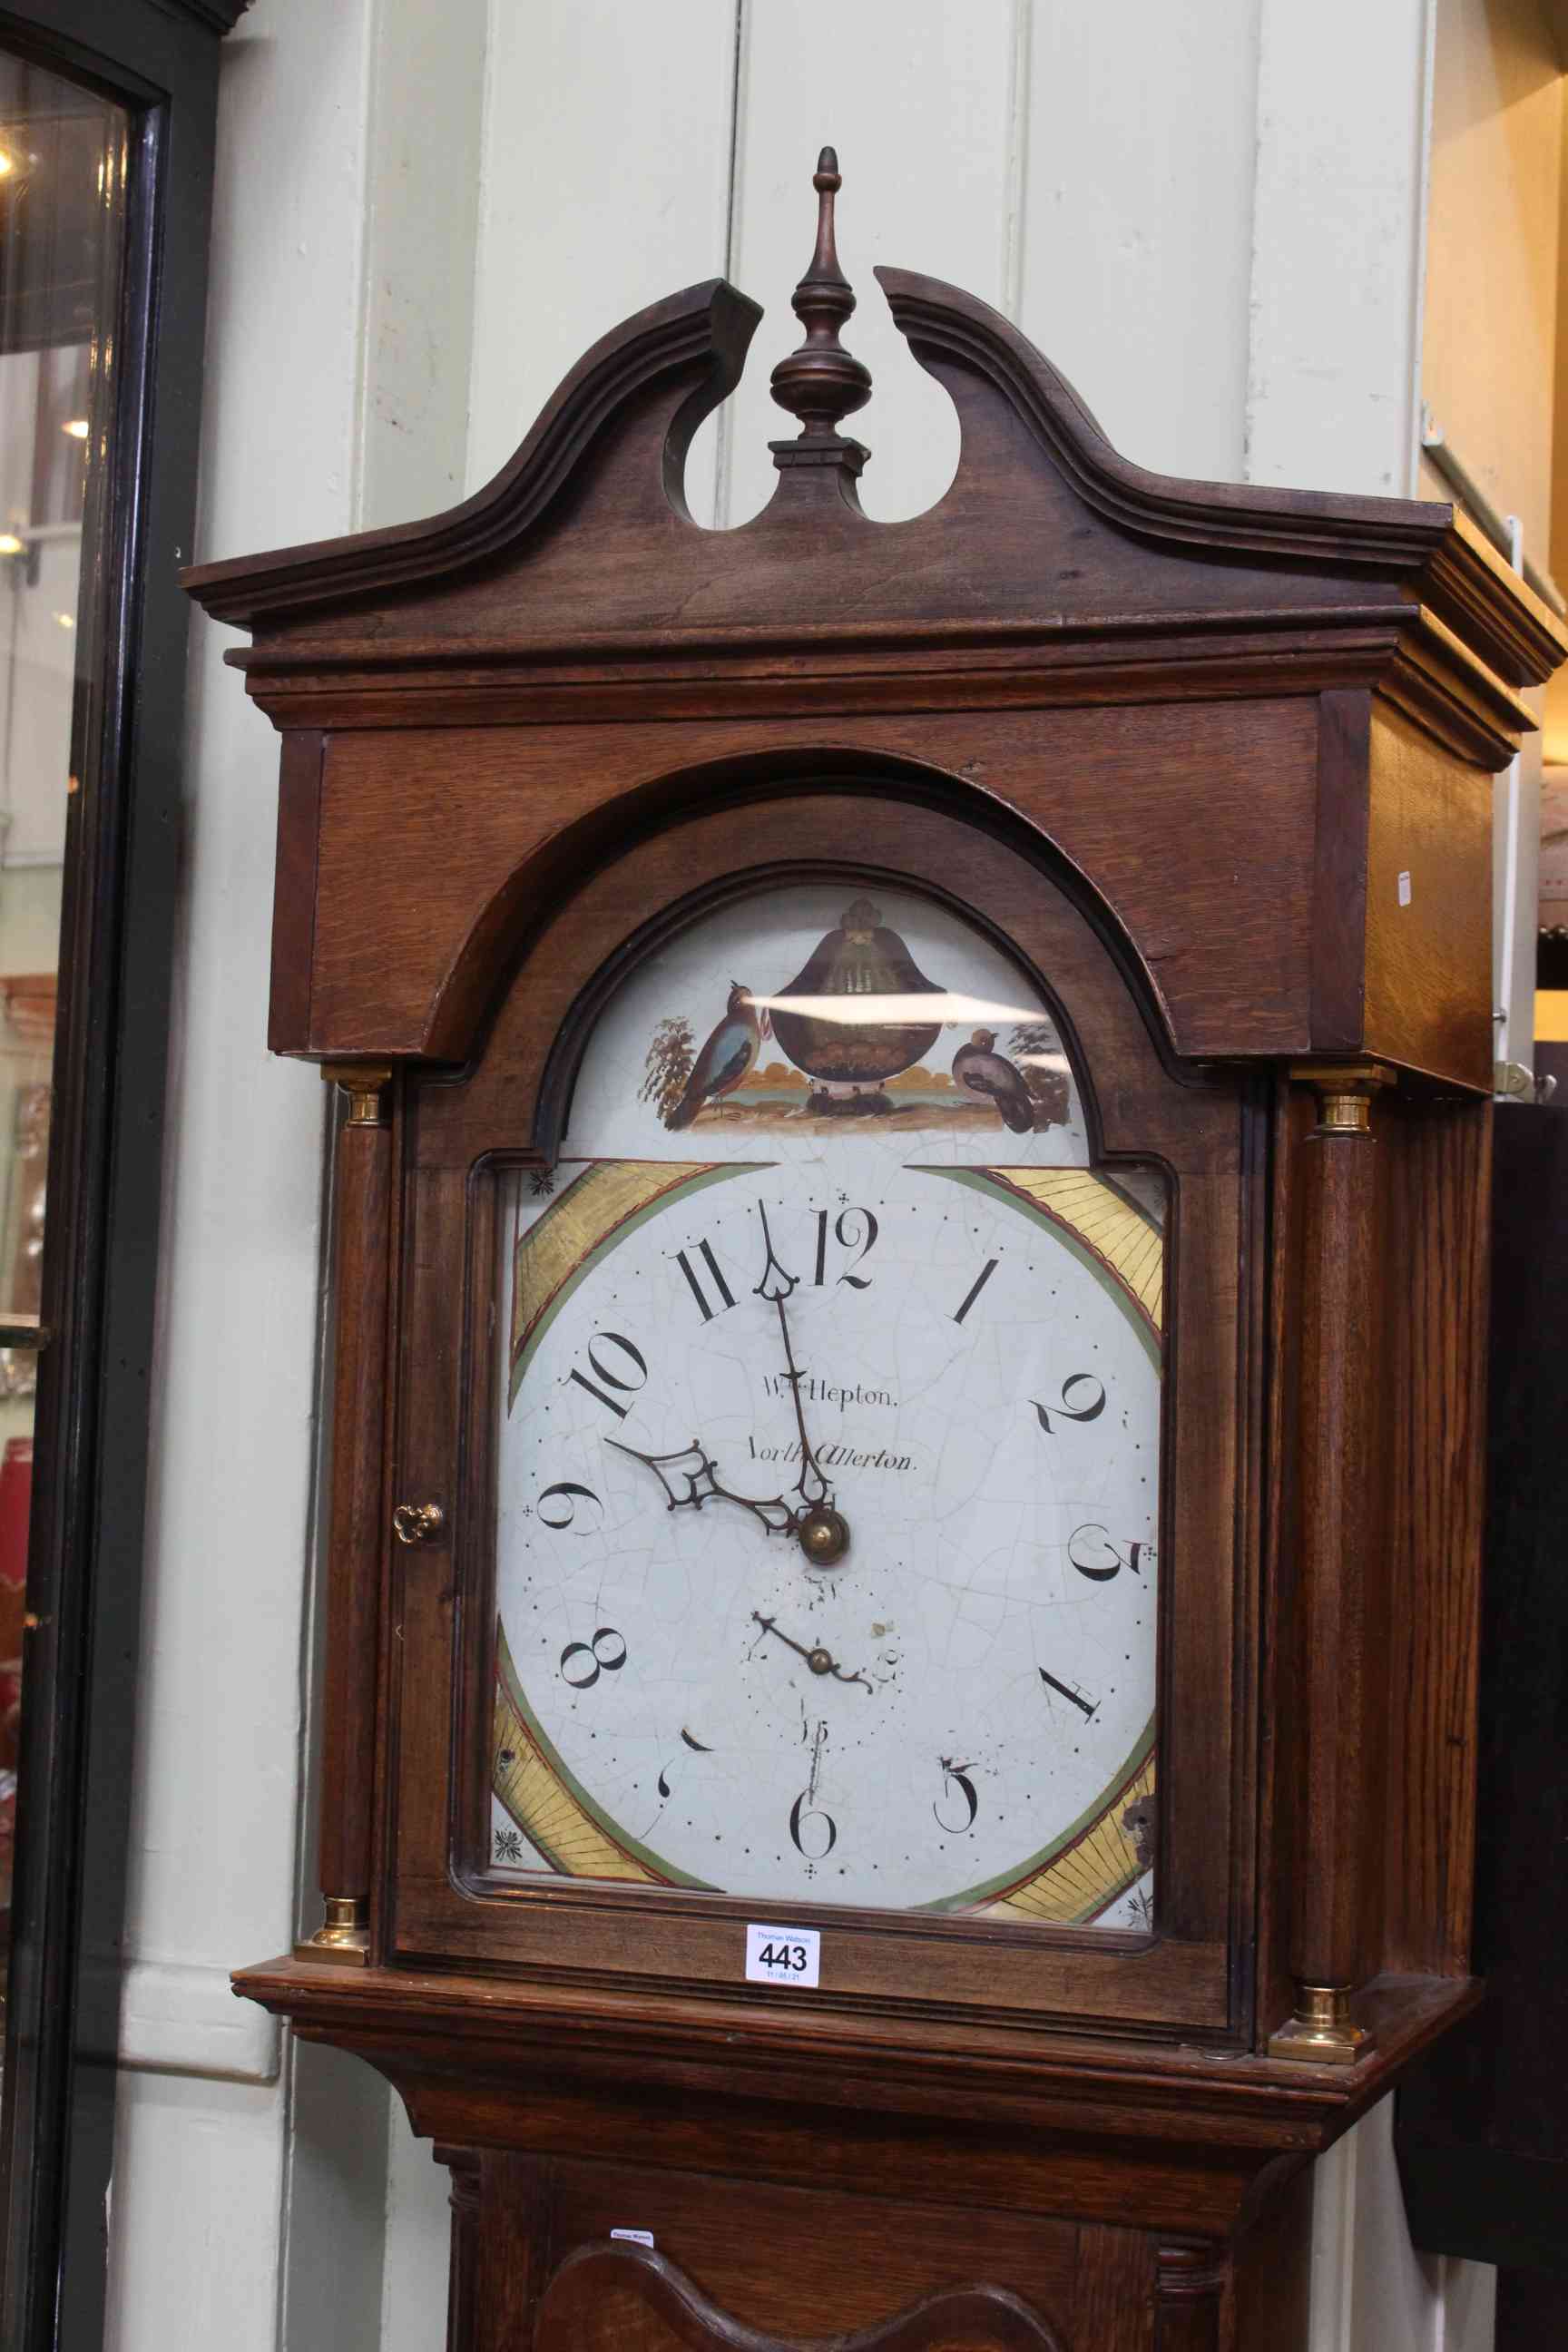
{"x": 1321, "y": 2033}
{"x": 343, "y": 1937}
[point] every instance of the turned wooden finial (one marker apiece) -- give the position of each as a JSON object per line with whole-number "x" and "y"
{"x": 821, "y": 382}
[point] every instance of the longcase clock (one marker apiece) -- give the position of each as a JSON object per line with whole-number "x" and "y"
{"x": 909, "y": 1280}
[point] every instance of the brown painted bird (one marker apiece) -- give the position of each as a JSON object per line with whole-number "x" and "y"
{"x": 726, "y": 1060}
{"x": 978, "y": 1069}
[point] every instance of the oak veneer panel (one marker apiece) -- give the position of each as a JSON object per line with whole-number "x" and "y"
{"x": 1428, "y": 964}
{"x": 1273, "y": 2272}
{"x": 792, "y": 2262}
{"x": 1339, "y": 891}
{"x": 509, "y": 2255}
{"x": 1116, "y": 790}
{"x": 922, "y": 2160}
{"x": 294, "y": 888}
{"x": 1113, "y": 2301}
{"x": 1437, "y": 1180}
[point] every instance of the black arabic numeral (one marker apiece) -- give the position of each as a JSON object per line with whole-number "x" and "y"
{"x": 1066, "y": 1410}
{"x": 956, "y": 1776}
{"x": 1110, "y": 1561}
{"x": 975, "y": 1287}
{"x": 577, "y": 1653}
{"x": 802, "y": 1812}
{"x": 565, "y": 1499}
{"x": 845, "y": 1235}
{"x": 612, "y": 1380}
{"x": 698, "y": 1746}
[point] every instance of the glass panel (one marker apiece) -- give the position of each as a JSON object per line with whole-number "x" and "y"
{"x": 62, "y": 160}
{"x": 828, "y": 1439}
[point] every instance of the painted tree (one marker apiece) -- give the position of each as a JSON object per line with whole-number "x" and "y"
{"x": 1048, "y": 1087}
{"x": 669, "y": 1060}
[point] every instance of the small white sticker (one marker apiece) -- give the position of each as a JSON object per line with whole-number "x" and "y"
{"x": 1405, "y": 889}
{"x": 783, "y": 1955}
{"x": 637, "y": 2237}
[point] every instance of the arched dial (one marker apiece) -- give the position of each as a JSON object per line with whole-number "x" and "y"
{"x": 827, "y": 1502}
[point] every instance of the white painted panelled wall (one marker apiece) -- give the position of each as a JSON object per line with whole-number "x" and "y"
{"x": 1208, "y": 216}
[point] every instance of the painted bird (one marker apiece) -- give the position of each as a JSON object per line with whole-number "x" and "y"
{"x": 726, "y": 1060}
{"x": 978, "y": 1069}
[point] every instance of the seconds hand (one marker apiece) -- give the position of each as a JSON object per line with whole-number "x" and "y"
{"x": 820, "y": 1661}
{"x": 823, "y": 1533}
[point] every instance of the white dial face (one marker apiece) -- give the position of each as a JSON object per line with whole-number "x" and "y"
{"x": 828, "y": 1498}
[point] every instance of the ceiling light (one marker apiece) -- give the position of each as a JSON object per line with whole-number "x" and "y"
{"x": 11, "y": 545}
{"x": 66, "y": 620}
{"x": 76, "y": 426}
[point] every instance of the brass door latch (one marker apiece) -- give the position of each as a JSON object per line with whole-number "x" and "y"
{"x": 416, "y": 1523}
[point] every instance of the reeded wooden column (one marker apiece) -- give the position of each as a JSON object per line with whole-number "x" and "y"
{"x": 463, "y": 2197}
{"x": 355, "y": 1530}
{"x": 1338, "y": 1551}
{"x": 1190, "y": 2282}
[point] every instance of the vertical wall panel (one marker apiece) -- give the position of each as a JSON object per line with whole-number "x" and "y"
{"x": 606, "y": 185}
{"x": 919, "y": 101}
{"x": 1342, "y": 107}
{"x": 1138, "y": 220}
{"x": 422, "y": 209}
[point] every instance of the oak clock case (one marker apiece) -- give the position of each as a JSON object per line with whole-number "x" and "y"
{"x": 910, "y": 1258}
{"x": 670, "y": 1700}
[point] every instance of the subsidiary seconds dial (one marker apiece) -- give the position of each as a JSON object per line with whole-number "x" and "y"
{"x": 826, "y": 1527}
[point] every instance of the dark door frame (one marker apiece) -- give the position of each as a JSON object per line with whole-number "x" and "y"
{"x": 159, "y": 58}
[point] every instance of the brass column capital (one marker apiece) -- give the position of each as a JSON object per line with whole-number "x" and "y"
{"x": 1344, "y": 1092}
{"x": 1322, "y": 2032}
{"x": 364, "y": 1083}
{"x": 343, "y": 1936}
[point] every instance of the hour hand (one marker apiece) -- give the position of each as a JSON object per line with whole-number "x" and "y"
{"x": 690, "y": 1480}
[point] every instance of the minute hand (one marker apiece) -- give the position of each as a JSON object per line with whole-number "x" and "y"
{"x": 775, "y": 1287}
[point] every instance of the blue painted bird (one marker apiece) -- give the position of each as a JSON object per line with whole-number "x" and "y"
{"x": 978, "y": 1069}
{"x": 727, "y": 1059}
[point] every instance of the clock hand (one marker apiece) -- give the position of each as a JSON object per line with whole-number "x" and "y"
{"x": 820, "y": 1661}
{"x": 779, "y": 1518}
{"x": 822, "y": 1531}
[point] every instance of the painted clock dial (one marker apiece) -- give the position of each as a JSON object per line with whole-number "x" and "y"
{"x": 828, "y": 1462}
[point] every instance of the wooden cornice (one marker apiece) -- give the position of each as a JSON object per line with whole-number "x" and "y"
{"x": 1427, "y": 544}
{"x": 702, "y": 333}
{"x": 492, "y": 579}
{"x": 1401, "y": 650}
{"x": 422, "y": 2028}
